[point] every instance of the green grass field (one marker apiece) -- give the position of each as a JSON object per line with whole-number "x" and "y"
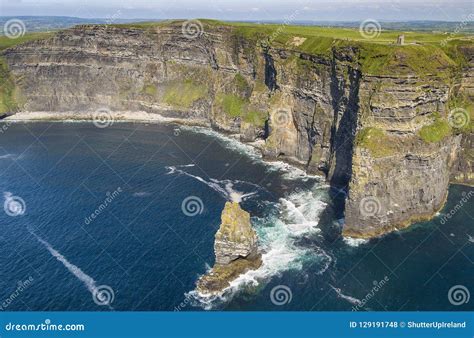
{"x": 423, "y": 54}
{"x": 6, "y": 42}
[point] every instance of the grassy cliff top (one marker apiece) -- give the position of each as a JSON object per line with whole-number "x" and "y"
{"x": 422, "y": 54}
{"x": 352, "y": 34}
{"x": 6, "y": 42}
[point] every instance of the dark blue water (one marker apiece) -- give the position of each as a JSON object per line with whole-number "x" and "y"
{"x": 149, "y": 253}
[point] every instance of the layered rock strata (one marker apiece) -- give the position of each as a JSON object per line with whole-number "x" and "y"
{"x": 368, "y": 131}
{"x": 235, "y": 248}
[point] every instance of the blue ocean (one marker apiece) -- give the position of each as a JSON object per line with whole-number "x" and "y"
{"x": 131, "y": 211}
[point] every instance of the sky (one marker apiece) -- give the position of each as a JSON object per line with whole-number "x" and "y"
{"x": 318, "y": 10}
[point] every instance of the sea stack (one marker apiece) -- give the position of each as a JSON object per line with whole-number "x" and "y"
{"x": 235, "y": 248}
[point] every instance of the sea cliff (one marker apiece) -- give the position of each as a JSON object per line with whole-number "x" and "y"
{"x": 379, "y": 120}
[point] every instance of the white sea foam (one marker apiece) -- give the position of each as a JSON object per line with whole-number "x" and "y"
{"x": 470, "y": 238}
{"x": 87, "y": 280}
{"x": 290, "y": 172}
{"x": 224, "y": 187}
{"x": 350, "y": 299}
{"x": 302, "y": 211}
{"x": 231, "y": 142}
{"x": 354, "y": 242}
{"x": 297, "y": 217}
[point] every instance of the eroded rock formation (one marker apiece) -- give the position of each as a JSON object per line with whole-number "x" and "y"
{"x": 236, "y": 250}
{"x": 331, "y": 111}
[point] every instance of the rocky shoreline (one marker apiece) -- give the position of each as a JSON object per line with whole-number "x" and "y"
{"x": 381, "y": 135}
{"x": 144, "y": 117}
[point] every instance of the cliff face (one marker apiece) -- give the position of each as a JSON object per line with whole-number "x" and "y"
{"x": 324, "y": 111}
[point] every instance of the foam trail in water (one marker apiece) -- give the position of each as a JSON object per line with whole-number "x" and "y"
{"x": 224, "y": 187}
{"x": 87, "y": 280}
{"x": 350, "y": 299}
{"x": 296, "y": 217}
{"x": 470, "y": 238}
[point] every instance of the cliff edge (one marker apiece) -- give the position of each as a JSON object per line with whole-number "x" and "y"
{"x": 390, "y": 125}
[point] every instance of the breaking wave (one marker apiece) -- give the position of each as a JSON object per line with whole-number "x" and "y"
{"x": 290, "y": 220}
{"x": 288, "y": 171}
{"x": 287, "y": 222}
{"x": 355, "y": 242}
